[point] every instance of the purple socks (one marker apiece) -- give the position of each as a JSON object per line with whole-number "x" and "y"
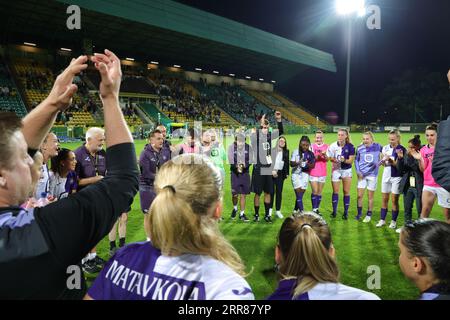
{"x": 299, "y": 200}
{"x": 346, "y": 205}
{"x": 383, "y": 213}
{"x": 335, "y": 200}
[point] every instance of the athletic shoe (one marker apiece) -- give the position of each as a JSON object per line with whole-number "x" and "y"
{"x": 367, "y": 219}
{"x": 113, "y": 251}
{"x": 399, "y": 230}
{"x": 99, "y": 261}
{"x": 393, "y": 225}
{"x": 358, "y": 217}
{"x": 333, "y": 215}
{"x": 381, "y": 223}
{"x": 233, "y": 214}
{"x": 256, "y": 219}
{"x": 270, "y": 212}
{"x": 344, "y": 217}
{"x": 267, "y": 219}
{"x": 316, "y": 211}
{"x": 244, "y": 218}
{"x": 279, "y": 215}
{"x": 90, "y": 267}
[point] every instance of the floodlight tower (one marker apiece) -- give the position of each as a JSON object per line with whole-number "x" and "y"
{"x": 348, "y": 9}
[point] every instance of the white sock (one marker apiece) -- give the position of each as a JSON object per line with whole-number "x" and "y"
{"x": 235, "y": 208}
{"x": 242, "y": 213}
{"x": 270, "y": 212}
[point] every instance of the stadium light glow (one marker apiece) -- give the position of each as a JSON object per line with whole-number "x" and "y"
{"x": 247, "y": 77}
{"x": 154, "y": 62}
{"x": 198, "y": 69}
{"x": 232, "y": 74}
{"x": 177, "y": 66}
{"x": 66, "y": 49}
{"x": 261, "y": 79}
{"x": 129, "y": 59}
{"x": 30, "y": 44}
{"x": 346, "y": 7}
{"x": 216, "y": 72}
{"x": 273, "y": 81}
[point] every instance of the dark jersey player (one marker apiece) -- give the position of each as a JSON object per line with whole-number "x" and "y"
{"x": 240, "y": 159}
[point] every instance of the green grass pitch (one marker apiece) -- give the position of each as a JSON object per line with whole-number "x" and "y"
{"x": 358, "y": 245}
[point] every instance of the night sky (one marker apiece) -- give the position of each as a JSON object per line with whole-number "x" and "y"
{"x": 414, "y": 33}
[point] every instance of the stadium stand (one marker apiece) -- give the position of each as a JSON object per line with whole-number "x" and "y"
{"x": 234, "y": 101}
{"x": 261, "y": 96}
{"x": 153, "y": 112}
{"x": 298, "y": 110}
{"x": 294, "y": 112}
{"x": 182, "y": 102}
{"x": 10, "y": 99}
{"x": 137, "y": 84}
{"x": 36, "y": 79}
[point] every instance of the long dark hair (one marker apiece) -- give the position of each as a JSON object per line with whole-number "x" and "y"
{"x": 429, "y": 238}
{"x": 63, "y": 155}
{"x": 285, "y": 143}
{"x": 303, "y": 138}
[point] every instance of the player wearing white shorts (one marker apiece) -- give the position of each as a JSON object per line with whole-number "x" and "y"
{"x": 302, "y": 161}
{"x": 431, "y": 189}
{"x": 342, "y": 154}
{"x": 391, "y": 179}
{"x": 318, "y": 174}
{"x": 368, "y": 155}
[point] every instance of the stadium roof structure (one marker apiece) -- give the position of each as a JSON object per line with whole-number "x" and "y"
{"x": 165, "y": 31}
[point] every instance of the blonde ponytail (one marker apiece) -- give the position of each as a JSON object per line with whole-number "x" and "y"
{"x": 181, "y": 217}
{"x": 305, "y": 243}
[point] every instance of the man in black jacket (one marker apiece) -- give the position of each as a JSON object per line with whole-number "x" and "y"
{"x": 412, "y": 180}
{"x": 40, "y": 248}
{"x": 441, "y": 160}
{"x": 262, "y": 181}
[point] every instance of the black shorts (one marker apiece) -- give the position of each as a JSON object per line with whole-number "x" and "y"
{"x": 261, "y": 183}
